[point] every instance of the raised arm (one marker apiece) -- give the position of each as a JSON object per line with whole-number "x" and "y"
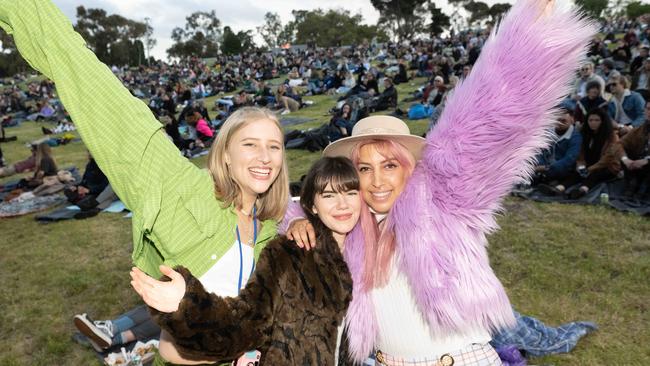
{"x": 118, "y": 129}
{"x": 210, "y": 327}
{"x": 499, "y": 116}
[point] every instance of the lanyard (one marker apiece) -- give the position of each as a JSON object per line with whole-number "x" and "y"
{"x": 241, "y": 256}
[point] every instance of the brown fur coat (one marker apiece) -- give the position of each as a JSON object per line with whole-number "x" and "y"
{"x": 290, "y": 309}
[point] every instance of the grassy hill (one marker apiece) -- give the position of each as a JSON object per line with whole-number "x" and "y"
{"x": 559, "y": 263}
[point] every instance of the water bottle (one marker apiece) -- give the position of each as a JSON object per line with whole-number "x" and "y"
{"x": 604, "y": 198}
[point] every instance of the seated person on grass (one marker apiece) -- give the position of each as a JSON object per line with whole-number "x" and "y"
{"x": 341, "y": 123}
{"x": 633, "y": 151}
{"x": 134, "y": 325}
{"x": 44, "y": 164}
{"x": 92, "y": 183}
{"x": 641, "y": 78}
{"x": 387, "y": 99}
{"x": 435, "y": 91}
{"x": 559, "y": 160}
{"x": 366, "y": 87}
{"x": 204, "y": 134}
{"x": 625, "y": 107}
{"x": 284, "y": 101}
{"x": 593, "y": 100}
{"x": 20, "y": 166}
{"x": 596, "y": 162}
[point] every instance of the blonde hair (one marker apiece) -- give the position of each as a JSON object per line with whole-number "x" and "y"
{"x": 43, "y": 150}
{"x": 271, "y": 204}
{"x": 625, "y": 82}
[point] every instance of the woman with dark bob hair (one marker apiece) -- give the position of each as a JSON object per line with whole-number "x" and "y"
{"x": 293, "y": 306}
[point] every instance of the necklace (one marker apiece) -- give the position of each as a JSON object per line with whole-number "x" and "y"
{"x": 245, "y": 229}
{"x": 252, "y": 211}
{"x": 247, "y": 233}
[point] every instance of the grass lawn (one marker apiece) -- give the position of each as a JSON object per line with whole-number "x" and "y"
{"x": 559, "y": 263}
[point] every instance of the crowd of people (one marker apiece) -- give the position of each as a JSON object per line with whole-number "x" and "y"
{"x": 602, "y": 132}
{"x": 348, "y": 198}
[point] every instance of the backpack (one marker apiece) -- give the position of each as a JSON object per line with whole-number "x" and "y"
{"x": 420, "y": 111}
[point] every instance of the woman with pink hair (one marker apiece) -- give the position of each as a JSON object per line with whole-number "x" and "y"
{"x": 424, "y": 292}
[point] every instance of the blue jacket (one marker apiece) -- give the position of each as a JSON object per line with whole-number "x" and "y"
{"x": 562, "y": 155}
{"x": 633, "y": 105}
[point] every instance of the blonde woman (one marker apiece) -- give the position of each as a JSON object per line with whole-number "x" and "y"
{"x": 45, "y": 166}
{"x": 215, "y": 222}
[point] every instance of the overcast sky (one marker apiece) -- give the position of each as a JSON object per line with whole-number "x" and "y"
{"x": 165, "y": 15}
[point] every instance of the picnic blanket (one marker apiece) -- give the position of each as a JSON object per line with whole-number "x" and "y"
{"x": 29, "y": 205}
{"x": 613, "y": 189}
{"x": 290, "y": 121}
{"x": 59, "y": 214}
{"x": 7, "y": 187}
{"x": 69, "y": 212}
{"x": 534, "y": 338}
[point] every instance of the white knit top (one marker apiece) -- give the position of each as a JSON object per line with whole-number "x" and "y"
{"x": 404, "y": 333}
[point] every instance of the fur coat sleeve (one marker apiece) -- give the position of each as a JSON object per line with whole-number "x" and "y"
{"x": 294, "y": 211}
{"x": 207, "y": 326}
{"x": 499, "y": 116}
{"x": 289, "y": 310}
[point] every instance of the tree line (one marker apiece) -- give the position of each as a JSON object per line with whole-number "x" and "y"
{"x": 121, "y": 41}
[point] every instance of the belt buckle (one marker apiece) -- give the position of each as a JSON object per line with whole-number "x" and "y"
{"x": 379, "y": 356}
{"x": 446, "y": 360}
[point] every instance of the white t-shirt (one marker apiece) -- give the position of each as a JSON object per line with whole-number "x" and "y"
{"x": 222, "y": 278}
{"x": 403, "y": 331}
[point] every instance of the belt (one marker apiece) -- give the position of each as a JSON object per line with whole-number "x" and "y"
{"x": 444, "y": 360}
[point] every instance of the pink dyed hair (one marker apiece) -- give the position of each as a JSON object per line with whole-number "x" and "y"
{"x": 379, "y": 243}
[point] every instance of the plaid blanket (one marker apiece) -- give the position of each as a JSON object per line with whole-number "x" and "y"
{"x": 535, "y": 338}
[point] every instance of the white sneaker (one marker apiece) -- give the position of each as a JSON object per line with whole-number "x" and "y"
{"x": 286, "y": 111}
{"x": 95, "y": 346}
{"x": 98, "y": 332}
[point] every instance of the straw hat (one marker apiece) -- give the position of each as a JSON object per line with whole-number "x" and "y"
{"x": 377, "y": 127}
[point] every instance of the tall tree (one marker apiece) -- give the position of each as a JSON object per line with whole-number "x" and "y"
{"x": 149, "y": 41}
{"x": 235, "y": 43}
{"x": 332, "y": 28}
{"x": 271, "y": 30}
{"x": 616, "y": 8}
{"x": 498, "y": 10}
{"x": 593, "y": 7}
{"x": 404, "y": 18}
{"x": 200, "y": 37}
{"x": 636, "y": 9}
{"x": 113, "y": 38}
{"x": 439, "y": 20}
{"x": 478, "y": 10}
{"x": 10, "y": 60}
{"x": 288, "y": 33}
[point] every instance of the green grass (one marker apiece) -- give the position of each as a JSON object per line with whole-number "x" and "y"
{"x": 558, "y": 262}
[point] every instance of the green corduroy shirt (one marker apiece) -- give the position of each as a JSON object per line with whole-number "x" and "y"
{"x": 176, "y": 217}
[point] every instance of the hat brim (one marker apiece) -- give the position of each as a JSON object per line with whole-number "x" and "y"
{"x": 344, "y": 146}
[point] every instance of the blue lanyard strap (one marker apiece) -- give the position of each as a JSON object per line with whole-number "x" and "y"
{"x": 241, "y": 255}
